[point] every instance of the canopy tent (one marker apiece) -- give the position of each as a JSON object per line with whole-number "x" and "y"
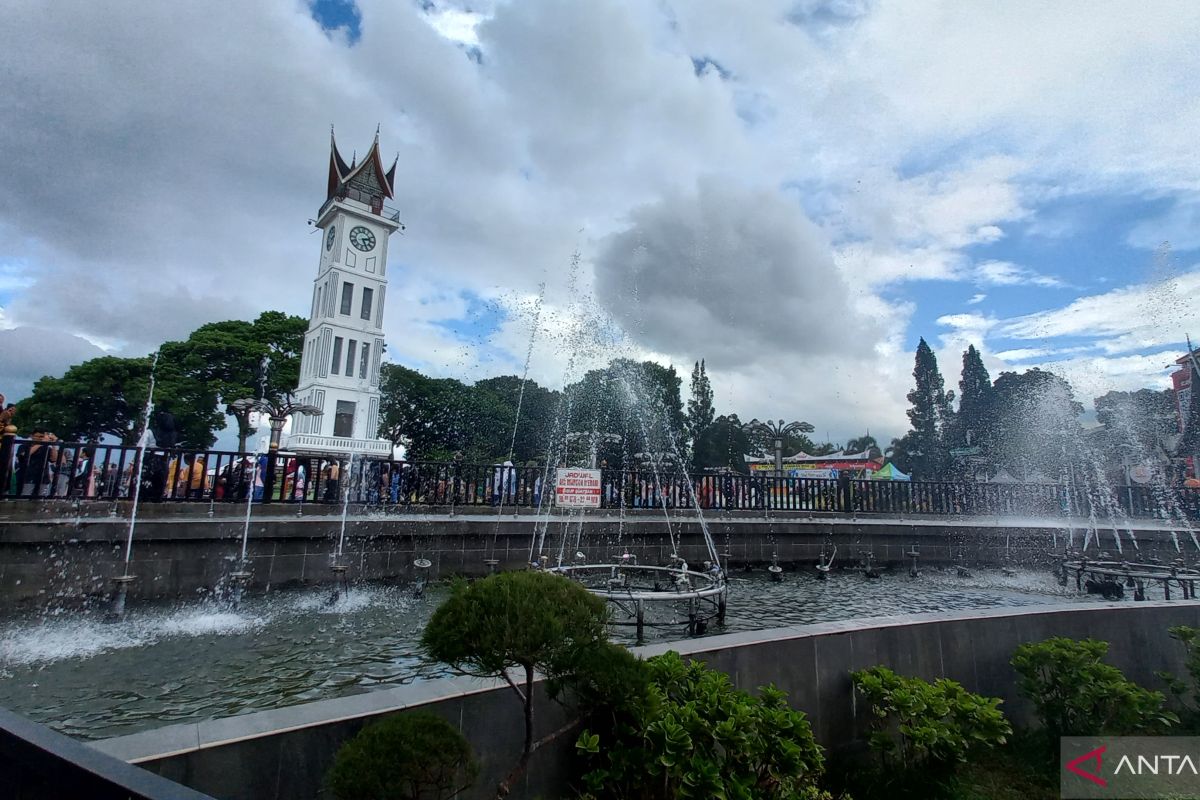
{"x": 1003, "y": 477}
{"x": 888, "y": 472}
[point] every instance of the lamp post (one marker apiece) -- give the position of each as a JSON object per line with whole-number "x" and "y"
{"x": 778, "y": 431}
{"x": 278, "y": 412}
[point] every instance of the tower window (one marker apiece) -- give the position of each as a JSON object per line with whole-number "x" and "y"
{"x": 347, "y": 297}
{"x": 366, "y": 304}
{"x": 343, "y": 419}
{"x": 337, "y": 355}
{"x": 362, "y": 361}
{"x": 350, "y": 358}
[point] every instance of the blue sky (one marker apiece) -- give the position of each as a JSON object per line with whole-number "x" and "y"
{"x": 794, "y": 191}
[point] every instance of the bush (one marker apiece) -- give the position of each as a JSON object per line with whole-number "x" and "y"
{"x": 1186, "y": 693}
{"x": 413, "y": 756}
{"x": 692, "y": 735}
{"x": 923, "y": 730}
{"x": 1076, "y": 694}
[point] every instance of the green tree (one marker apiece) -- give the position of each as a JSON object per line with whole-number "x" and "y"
{"x": 1033, "y": 424}
{"x": 524, "y": 621}
{"x": 429, "y": 416}
{"x": 106, "y": 396}
{"x": 227, "y": 357}
{"x": 974, "y": 401}
{"x": 700, "y": 404}
{"x": 639, "y": 401}
{"x": 538, "y": 408}
{"x": 862, "y": 444}
{"x": 930, "y": 412}
{"x": 416, "y": 755}
{"x": 722, "y": 444}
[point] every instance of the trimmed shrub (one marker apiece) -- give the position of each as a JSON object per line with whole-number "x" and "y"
{"x": 411, "y": 756}
{"x": 1077, "y": 694}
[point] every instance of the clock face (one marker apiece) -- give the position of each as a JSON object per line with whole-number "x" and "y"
{"x": 329, "y": 237}
{"x": 362, "y": 238}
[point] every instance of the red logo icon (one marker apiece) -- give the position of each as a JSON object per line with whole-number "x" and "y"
{"x": 1094, "y": 777}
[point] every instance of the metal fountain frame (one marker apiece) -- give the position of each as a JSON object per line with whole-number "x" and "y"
{"x": 706, "y": 601}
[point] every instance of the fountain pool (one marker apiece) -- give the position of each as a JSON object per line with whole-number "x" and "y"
{"x": 179, "y": 663}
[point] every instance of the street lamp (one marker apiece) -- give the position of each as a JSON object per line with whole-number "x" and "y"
{"x": 778, "y": 431}
{"x": 278, "y": 411}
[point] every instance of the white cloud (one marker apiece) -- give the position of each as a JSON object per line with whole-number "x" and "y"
{"x": 1004, "y": 273}
{"x": 976, "y": 299}
{"x": 161, "y": 162}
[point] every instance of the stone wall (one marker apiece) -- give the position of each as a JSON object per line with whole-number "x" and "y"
{"x": 57, "y": 553}
{"x": 283, "y": 753}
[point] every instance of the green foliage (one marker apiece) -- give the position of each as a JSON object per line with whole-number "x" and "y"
{"x": 924, "y": 728}
{"x": 925, "y": 446}
{"x": 439, "y": 418}
{"x": 106, "y": 396}
{"x": 411, "y": 756}
{"x": 217, "y": 364}
{"x": 722, "y": 444}
{"x": 1076, "y": 694}
{"x": 1033, "y": 424}
{"x": 1186, "y": 692}
{"x": 620, "y": 398}
{"x": 514, "y": 619}
{"x": 690, "y": 734}
{"x": 974, "y": 404}
{"x": 700, "y": 405}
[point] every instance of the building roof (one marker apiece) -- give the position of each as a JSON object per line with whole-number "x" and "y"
{"x": 369, "y": 170}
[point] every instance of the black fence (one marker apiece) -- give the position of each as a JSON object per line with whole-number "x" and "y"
{"x": 31, "y": 470}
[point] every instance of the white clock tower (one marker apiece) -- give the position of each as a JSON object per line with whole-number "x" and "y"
{"x": 339, "y": 370}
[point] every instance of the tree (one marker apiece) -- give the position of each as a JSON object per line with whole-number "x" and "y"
{"x": 228, "y": 357}
{"x": 526, "y": 621}
{"x": 722, "y": 444}
{"x": 538, "y": 407}
{"x": 106, "y": 396}
{"x": 974, "y": 401}
{"x": 700, "y": 404}
{"x": 430, "y": 416}
{"x": 1135, "y": 427}
{"x": 1033, "y": 424}
{"x": 929, "y": 414}
{"x": 862, "y": 444}
{"x": 639, "y": 401}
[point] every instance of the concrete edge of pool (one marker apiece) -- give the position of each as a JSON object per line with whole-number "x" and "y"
{"x": 284, "y": 752}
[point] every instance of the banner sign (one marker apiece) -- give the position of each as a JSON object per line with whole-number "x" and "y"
{"x": 577, "y": 488}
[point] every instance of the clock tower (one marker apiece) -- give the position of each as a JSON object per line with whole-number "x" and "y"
{"x": 339, "y": 369}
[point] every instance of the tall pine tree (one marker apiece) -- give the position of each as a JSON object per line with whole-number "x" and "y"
{"x": 700, "y": 406}
{"x": 974, "y": 402}
{"x": 926, "y": 444}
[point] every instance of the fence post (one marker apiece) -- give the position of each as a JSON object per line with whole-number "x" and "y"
{"x": 7, "y": 439}
{"x": 269, "y": 477}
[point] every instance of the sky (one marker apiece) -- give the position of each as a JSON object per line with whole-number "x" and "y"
{"x": 794, "y": 191}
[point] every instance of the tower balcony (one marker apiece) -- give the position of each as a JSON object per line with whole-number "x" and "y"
{"x": 338, "y": 445}
{"x": 354, "y": 199}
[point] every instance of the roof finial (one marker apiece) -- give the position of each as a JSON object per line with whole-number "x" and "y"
{"x": 353, "y": 158}
{"x": 376, "y": 133}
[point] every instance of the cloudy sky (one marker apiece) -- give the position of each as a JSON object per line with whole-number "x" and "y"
{"x": 795, "y": 191}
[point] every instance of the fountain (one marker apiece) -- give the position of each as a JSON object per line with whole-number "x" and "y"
{"x": 121, "y": 582}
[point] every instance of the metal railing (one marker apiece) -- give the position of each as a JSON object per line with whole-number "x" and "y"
{"x": 31, "y": 470}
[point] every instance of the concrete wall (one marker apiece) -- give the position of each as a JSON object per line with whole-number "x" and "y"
{"x": 58, "y": 553}
{"x": 283, "y": 753}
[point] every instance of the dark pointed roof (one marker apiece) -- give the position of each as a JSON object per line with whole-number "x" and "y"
{"x": 369, "y": 170}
